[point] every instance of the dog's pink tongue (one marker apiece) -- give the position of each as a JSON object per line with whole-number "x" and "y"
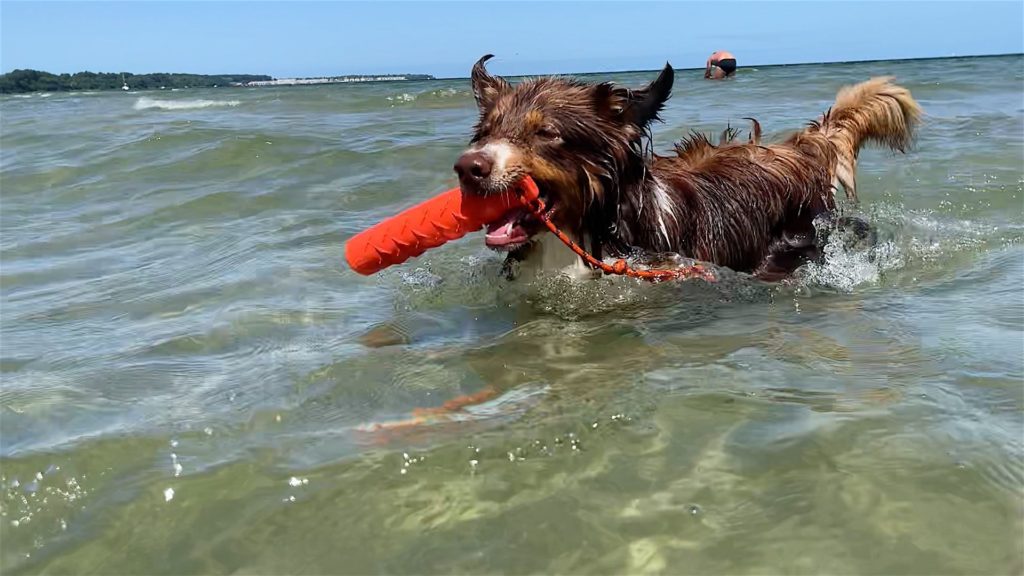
{"x": 505, "y": 231}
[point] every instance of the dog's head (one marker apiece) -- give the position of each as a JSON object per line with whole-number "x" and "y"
{"x": 580, "y": 142}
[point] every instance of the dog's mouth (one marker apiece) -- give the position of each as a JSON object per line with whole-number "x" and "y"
{"x": 515, "y": 228}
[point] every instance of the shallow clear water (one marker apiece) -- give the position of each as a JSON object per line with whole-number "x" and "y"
{"x": 193, "y": 382}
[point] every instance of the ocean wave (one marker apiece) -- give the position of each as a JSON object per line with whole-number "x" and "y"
{"x": 402, "y": 98}
{"x": 429, "y": 97}
{"x": 146, "y": 103}
{"x": 448, "y": 93}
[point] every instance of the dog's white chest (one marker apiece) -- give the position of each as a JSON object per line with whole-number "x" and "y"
{"x": 550, "y": 256}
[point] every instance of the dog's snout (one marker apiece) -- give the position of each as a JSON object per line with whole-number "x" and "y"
{"x": 472, "y": 168}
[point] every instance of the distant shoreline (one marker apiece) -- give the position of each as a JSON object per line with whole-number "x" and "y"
{"x": 31, "y": 81}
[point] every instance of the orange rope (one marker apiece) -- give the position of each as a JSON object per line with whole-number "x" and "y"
{"x": 529, "y": 195}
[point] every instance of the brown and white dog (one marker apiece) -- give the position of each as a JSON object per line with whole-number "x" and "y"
{"x": 743, "y": 205}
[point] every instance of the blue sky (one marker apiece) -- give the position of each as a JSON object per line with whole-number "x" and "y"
{"x": 444, "y": 38}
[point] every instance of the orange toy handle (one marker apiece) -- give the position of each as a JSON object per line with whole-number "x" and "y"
{"x": 445, "y": 217}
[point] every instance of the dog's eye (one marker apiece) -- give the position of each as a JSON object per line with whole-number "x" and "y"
{"x": 548, "y": 132}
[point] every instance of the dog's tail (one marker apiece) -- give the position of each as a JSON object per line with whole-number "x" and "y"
{"x": 873, "y": 111}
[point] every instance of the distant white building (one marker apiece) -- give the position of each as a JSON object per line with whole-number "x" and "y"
{"x": 334, "y": 80}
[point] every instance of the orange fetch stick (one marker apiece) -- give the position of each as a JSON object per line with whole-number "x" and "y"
{"x": 445, "y": 217}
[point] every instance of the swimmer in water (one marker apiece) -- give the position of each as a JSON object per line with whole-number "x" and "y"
{"x": 720, "y": 65}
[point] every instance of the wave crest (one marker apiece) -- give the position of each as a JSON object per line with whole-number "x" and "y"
{"x": 145, "y": 103}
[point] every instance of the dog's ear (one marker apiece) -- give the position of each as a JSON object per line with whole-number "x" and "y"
{"x": 650, "y": 100}
{"x": 487, "y": 88}
{"x": 637, "y": 107}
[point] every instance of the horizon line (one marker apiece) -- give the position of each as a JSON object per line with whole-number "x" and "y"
{"x": 868, "y": 61}
{"x": 627, "y": 71}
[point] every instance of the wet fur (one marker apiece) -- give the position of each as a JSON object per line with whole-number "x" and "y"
{"x": 744, "y": 205}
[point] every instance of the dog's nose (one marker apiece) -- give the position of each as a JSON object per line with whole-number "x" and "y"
{"x": 472, "y": 168}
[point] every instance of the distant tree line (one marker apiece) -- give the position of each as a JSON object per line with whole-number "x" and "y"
{"x": 38, "y": 81}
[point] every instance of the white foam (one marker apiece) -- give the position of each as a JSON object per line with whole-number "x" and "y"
{"x": 449, "y": 92}
{"x": 146, "y": 103}
{"x": 401, "y": 98}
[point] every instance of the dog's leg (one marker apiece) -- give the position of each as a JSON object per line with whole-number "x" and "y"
{"x": 797, "y": 245}
{"x": 805, "y": 244}
{"x": 855, "y": 233}
{"x": 785, "y": 256}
